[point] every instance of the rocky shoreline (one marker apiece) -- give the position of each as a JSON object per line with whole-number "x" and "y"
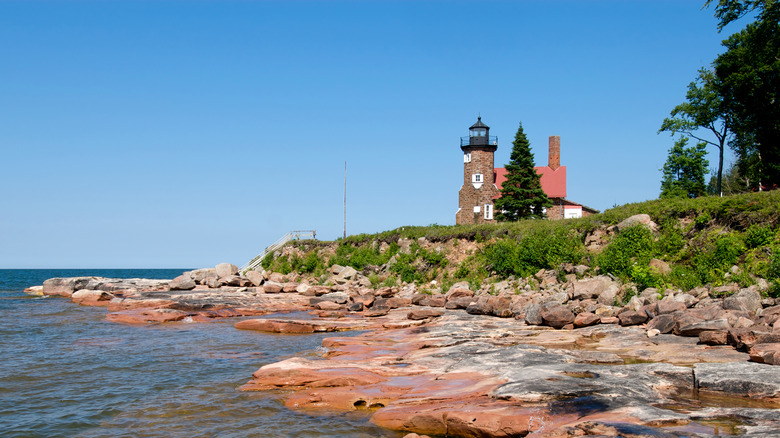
{"x": 551, "y": 362}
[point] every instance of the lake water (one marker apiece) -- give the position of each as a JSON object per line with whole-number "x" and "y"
{"x": 66, "y": 372}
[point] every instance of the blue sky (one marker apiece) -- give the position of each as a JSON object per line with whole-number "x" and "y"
{"x": 189, "y": 133}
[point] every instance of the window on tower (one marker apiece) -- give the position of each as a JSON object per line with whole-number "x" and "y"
{"x": 477, "y": 178}
{"x": 467, "y": 157}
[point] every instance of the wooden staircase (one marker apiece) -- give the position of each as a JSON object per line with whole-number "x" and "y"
{"x": 292, "y": 235}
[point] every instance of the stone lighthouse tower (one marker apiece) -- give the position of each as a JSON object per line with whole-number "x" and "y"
{"x": 475, "y": 199}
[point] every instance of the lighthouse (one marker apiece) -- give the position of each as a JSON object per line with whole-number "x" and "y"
{"x": 476, "y": 195}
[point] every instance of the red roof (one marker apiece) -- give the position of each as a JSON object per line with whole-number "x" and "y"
{"x": 553, "y": 181}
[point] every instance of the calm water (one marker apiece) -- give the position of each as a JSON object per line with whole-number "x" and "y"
{"x": 64, "y": 371}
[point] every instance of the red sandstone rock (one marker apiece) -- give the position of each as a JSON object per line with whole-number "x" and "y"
{"x": 272, "y": 287}
{"x": 131, "y": 304}
{"x": 419, "y": 314}
{"x": 586, "y": 319}
{"x": 632, "y": 318}
{"x": 712, "y": 337}
{"x": 146, "y": 316}
{"x": 765, "y": 353}
{"x": 328, "y": 305}
{"x": 88, "y": 297}
{"x": 558, "y": 316}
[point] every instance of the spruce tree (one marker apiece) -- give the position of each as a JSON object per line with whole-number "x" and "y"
{"x": 522, "y": 196}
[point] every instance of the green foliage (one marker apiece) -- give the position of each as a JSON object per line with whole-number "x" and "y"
{"x": 758, "y": 235}
{"x": 684, "y": 171}
{"x": 644, "y": 277}
{"x": 419, "y": 264}
{"x": 360, "y": 256}
{"x": 728, "y": 248}
{"x": 541, "y": 249}
{"x": 634, "y": 245}
{"x": 748, "y": 74}
{"x": 684, "y": 277}
{"x": 522, "y": 196}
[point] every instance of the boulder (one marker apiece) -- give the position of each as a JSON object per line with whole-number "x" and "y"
{"x": 668, "y": 305}
{"x": 91, "y": 297}
{"x": 660, "y": 267}
{"x": 226, "y": 269}
{"x": 765, "y": 353}
{"x": 200, "y": 275}
{"x": 586, "y": 319}
{"x": 272, "y": 287}
{"x": 713, "y": 337}
{"x": 458, "y": 292}
{"x": 592, "y": 288}
{"x": 632, "y": 318}
{"x": 328, "y": 305}
{"x": 663, "y": 323}
{"x": 65, "y": 286}
{"x": 182, "y": 282}
{"x": 336, "y": 297}
{"x": 277, "y": 277}
{"x": 687, "y": 326}
{"x": 255, "y": 277}
{"x": 290, "y": 287}
{"x": 558, "y": 316}
{"x": 608, "y": 295}
{"x": 746, "y": 300}
{"x": 638, "y": 220}
{"x": 479, "y": 306}
{"x": 459, "y": 303}
{"x": 533, "y": 314}
{"x": 346, "y": 274}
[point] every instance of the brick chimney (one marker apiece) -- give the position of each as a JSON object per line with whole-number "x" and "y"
{"x": 554, "y": 156}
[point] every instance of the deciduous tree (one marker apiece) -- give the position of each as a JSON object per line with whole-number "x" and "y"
{"x": 749, "y": 83}
{"x": 702, "y": 111}
{"x": 684, "y": 170}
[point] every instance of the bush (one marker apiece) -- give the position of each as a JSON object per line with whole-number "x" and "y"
{"x": 758, "y": 235}
{"x": 541, "y": 249}
{"x": 361, "y": 256}
{"x": 684, "y": 277}
{"x": 633, "y": 246}
{"x": 728, "y": 248}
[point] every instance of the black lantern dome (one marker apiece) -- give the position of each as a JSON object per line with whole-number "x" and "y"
{"x": 479, "y": 136}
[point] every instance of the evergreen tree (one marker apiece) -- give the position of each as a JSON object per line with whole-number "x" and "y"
{"x": 684, "y": 171}
{"x": 522, "y": 196}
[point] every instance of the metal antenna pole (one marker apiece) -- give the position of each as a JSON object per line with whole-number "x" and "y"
{"x": 345, "y": 199}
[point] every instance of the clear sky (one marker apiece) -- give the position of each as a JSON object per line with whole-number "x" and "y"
{"x": 189, "y": 133}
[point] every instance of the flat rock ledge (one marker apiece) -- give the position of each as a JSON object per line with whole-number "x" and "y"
{"x": 463, "y": 375}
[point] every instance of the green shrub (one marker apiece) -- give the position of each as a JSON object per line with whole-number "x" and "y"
{"x": 540, "y": 249}
{"x": 633, "y": 246}
{"x": 702, "y": 220}
{"x": 728, "y": 248}
{"x": 684, "y": 277}
{"x": 644, "y": 277}
{"x": 758, "y": 235}
{"x": 361, "y": 256}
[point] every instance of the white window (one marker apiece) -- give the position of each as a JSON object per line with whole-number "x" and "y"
{"x": 476, "y": 209}
{"x": 477, "y": 178}
{"x": 572, "y": 212}
{"x": 467, "y": 157}
{"x": 489, "y": 211}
